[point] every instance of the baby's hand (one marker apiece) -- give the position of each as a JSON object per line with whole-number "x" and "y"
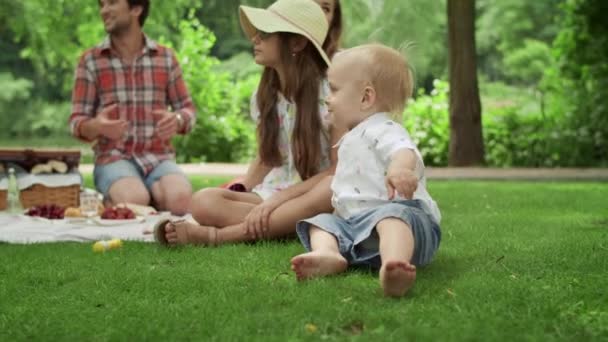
{"x": 402, "y": 181}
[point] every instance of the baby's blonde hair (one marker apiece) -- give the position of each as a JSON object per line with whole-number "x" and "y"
{"x": 390, "y": 75}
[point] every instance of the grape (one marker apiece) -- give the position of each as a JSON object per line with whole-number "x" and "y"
{"x": 50, "y": 211}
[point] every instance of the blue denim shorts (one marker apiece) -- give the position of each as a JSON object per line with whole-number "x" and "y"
{"x": 358, "y": 239}
{"x": 108, "y": 174}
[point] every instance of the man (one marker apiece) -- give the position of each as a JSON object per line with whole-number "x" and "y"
{"x": 120, "y": 101}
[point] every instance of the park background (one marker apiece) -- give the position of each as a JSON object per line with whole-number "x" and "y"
{"x": 541, "y": 75}
{"x": 519, "y": 260}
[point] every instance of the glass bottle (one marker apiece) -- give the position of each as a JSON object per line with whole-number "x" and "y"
{"x": 14, "y": 205}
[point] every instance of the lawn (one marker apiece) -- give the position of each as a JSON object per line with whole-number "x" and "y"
{"x": 518, "y": 261}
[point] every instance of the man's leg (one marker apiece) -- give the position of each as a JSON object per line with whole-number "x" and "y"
{"x": 172, "y": 193}
{"x": 170, "y": 188}
{"x": 120, "y": 182}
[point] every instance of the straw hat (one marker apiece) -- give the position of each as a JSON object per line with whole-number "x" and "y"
{"x": 304, "y": 17}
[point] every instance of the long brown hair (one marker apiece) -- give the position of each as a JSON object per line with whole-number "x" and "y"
{"x": 332, "y": 41}
{"x": 303, "y": 75}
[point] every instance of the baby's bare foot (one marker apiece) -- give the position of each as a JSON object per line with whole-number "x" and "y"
{"x": 317, "y": 264}
{"x": 184, "y": 232}
{"x": 397, "y": 277}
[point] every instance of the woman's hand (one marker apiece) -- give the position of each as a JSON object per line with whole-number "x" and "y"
{"x": 257, "y": 221}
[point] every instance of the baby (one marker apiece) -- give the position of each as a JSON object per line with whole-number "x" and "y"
{"x": 384, "y": 217}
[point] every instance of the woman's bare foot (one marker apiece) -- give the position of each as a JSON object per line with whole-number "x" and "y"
{"x": 317, "y": 264}
{"x": 397, "y": 277}
{"x": 184, "y": 232}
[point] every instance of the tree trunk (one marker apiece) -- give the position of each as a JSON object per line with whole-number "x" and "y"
{"x": 466, "y": 140}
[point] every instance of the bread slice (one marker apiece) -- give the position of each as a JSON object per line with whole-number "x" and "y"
{"x": 139, "y": 210}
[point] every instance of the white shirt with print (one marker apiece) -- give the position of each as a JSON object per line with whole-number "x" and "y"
{"x": 364, "y": 154}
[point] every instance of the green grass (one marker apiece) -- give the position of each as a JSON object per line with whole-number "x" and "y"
{"x": 518, "y": 261}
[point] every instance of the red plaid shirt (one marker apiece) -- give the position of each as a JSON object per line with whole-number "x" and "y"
{"x": 154, "y": 81}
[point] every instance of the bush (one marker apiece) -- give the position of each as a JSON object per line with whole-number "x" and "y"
{"x": 45, "y": 119}
{"x": 25, "y": 117}
{"x": 15, "y": 92}
{"x": 518, "y": 130}
{"x": 581, "y": 79}
{"x": 512, "y": 139}
{"x": 223, "y": 132}
{"x": 427, "y": 120}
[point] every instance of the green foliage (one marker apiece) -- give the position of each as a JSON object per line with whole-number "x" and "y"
{"x": 221, "y": 17}
{"x": 54, "y": 37}
{"x": 509, "y": 32}
{"x": 518, "y": 130}
{"x": 427, "y": 120}
{"x": 55, "y": 33}
{"x": 24, "y": 116}
{"x": 14, "y": 93}
{"x": 542, "y": 64}
{"x": 517, "y": 140}
{"x": 222, "y": 132}
{"x": 582, "y": 77}
{"x": 44, "y": 119}
{"x": 13, "y": 89}
{"x": 527, "y": 64}
{"x": 245, "y": 74}
{"x": 423, "y": 37}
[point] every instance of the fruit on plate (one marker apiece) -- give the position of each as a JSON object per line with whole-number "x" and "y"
{"x": 72, "y": 212}
{"x": 100, "y": 209}
{"x": 118, "y": 213}
{"x": 49, "y": 211}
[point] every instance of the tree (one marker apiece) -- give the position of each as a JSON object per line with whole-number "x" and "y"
{"x": 466, "y": 140}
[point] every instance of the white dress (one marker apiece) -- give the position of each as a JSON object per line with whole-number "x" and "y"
{"x": 286, "y": 175}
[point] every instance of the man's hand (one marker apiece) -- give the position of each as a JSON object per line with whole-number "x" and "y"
{"x": 401, "y": 181}
{"x": 167, "y": 124}
{"x": 112, "y": 129}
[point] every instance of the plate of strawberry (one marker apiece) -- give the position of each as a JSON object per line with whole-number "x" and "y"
{"x": 116, "y": 216}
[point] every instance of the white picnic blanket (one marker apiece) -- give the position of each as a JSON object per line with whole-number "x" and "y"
{"x": 22, "y": 229}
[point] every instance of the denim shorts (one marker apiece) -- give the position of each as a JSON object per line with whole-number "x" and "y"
{"x": 108, "y": 174}
{"x": 358, "y": 239}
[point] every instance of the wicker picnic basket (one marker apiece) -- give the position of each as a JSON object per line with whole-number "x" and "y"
{"x": 3, "y": 189}
{"x": 3, "y": 199}
{"x": 39, "y": 194}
